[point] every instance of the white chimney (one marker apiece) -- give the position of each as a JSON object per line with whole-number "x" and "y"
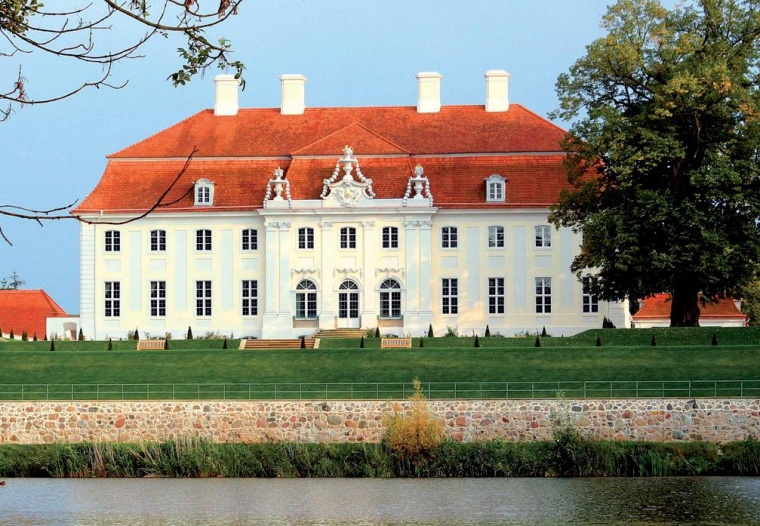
{"x": 293, "y": 94}
{"x": 497, "y": 90}
{"x": 226, "y": 100}
{"x": 428, "y": 92}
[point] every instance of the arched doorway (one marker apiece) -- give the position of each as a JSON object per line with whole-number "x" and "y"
{"x": 348, "y": 305}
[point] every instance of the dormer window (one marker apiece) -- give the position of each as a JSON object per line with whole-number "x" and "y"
{"x": 204, "y": 192}
{"x": 496, "y": 189}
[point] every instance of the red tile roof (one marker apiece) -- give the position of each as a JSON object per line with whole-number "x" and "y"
{"x": 27, "y": 310}
{"x": 458, "y": 148}
{"x": 658, "y": 306}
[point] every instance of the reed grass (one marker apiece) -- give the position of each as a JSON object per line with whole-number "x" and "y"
{"x": 563, "y": 457}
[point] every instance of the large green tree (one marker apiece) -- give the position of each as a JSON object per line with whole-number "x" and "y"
{"x": 663, "y": 157}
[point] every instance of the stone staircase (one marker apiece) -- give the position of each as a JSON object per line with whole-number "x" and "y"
{"x": 340, "y": 333}
{"x": 294, "y": 343}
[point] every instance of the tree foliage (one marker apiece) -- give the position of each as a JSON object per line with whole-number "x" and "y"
{"x": 80, "y": 35}
{"x": 663, "y": 158}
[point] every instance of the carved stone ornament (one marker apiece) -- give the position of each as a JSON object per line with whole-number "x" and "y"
{"x": 389, "y": 271}
{"x": 277, "y": 186}
{"x": 421, "y": 187}
{"x": 348, "y": 191}
{"x": 346, "y": 271}
{"x": 305, "y": 272}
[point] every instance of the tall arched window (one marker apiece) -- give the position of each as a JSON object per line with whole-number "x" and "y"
{"x": 306, "y": 300}
{"x": 390, "y": 299}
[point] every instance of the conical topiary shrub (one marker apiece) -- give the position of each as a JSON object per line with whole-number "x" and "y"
{"x": 598, "y": 341}
{"x": 11, "y": 335}
{"x": 422, "y": 342}
{"x": 487, "y": 334}
{"x": 226, "y": 346}
{"x": 303, "y": 342}
{"x": 538, "y": 341}
{"x": 81, "y": 335}
{"x": 653, "y": 343}
{"x": 477, "y": 341}
{"x": 543, "y": 332}
{"x": 110, "y": 344}
{"x": 189, "y": 333}
{"x": 166, "y": 344}
{"x": 714, "y": 339}
{"x": 24, "y": 336}
{"x": 137, "y": 334}
{"x": 377, "y": 332}
{"x": 361, "y": 343}
{"x": 52, "y": 345}
{"x": 34, "y": 338}
{"x": 430, "y": 331}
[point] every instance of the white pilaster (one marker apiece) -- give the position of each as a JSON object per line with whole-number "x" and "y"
{"x": 369, "y": 294}
{"x": 284, "y": 308}
{"x": 327, "y": 293}
{"x": 87, "y": 310}
{"x": 412, "y": 270}
{"x": 426, "y": 274}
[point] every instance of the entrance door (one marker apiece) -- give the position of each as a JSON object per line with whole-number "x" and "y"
{"x": 348, "y": 305}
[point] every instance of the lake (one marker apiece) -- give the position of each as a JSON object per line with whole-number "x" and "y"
{"x": 374, "y": 502}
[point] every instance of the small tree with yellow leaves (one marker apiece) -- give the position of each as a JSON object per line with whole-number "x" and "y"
{"x": 415, "y": 431}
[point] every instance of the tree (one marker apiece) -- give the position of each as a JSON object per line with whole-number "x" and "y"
{"x": 12, "y": 283}
{"x": 78, "y": 37}
{"x": 663, "y": 159}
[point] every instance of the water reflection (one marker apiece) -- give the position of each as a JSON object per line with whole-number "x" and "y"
{"x": 374, "y": 502}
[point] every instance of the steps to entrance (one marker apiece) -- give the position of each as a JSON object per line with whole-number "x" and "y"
{"x": 276, "y": 344}
{"x": 340, "y": 333}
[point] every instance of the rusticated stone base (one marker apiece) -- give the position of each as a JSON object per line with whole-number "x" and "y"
{"x": 713, "y": 420}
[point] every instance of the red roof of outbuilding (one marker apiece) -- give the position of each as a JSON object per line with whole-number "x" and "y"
{"x": 27, "y": 310}
{"x": 458, "y": 148}
{"x": 658, "y": 306}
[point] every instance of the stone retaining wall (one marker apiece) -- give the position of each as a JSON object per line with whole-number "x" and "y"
{"x": 356, "y": 421}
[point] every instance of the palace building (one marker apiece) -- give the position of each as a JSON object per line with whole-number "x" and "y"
{"x": 277, "y": 222}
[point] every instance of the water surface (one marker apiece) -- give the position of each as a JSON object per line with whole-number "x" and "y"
{"x": 376, "y": 502}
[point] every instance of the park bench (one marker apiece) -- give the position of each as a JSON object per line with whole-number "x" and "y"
{"x": 151, "y": 345}
{"x": 396, "y": 342}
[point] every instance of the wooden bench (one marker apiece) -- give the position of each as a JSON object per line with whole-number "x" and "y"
{"x": 396, "y": 342}
{"x": 291, "y": 343}
{"x": 151, "y": 345}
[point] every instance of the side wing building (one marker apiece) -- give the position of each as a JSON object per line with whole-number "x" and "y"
{"x": 276, "y": 222}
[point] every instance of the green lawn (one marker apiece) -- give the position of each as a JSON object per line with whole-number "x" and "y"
{"x": 683, "y": 354}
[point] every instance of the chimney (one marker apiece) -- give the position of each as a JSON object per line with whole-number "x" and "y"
{"x": 497, "y": 90}
{"x": 428, "y": 92}
{"x": 226, "y": 100}
{"x": 293, "y": 94}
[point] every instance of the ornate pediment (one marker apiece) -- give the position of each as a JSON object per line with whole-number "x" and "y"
{"x": 347, "y": 192}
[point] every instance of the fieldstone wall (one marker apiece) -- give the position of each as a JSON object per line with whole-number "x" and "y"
{"x": 356, "y": 421}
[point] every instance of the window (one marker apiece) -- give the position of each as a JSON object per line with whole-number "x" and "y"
{"x": 204, "y": 192}
{"x": 390, "y": 299}
{"x": 590, "y": 302}
{"x": 113, "y": 241}
{"x": 449, "y": 291}
{"x": 306, "y": 300}
{"x": 158, "y": 298}
{"x": 203, "y": 240}
{"x": 250, "y": 239}
{"x": 306, "y": 238}
{"x": 449, "y": 237}
{"x": 203, "y": 298}
{"x": 250, "y": 297}
{"x": 543, "y": 295}
{"x": 348, "y": 237}
{"x": 390, "y": 237}
{"x": 113, "y": 299}
{"x": 495, "y": 237}
{"x": 495, "y": 295}
{"x": 158, "y": 240}
{"x": 495, "y": 188}
{"x": 543, "y": 236}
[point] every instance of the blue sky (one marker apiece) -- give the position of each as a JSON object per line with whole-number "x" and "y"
{"x": 355, "y": 53}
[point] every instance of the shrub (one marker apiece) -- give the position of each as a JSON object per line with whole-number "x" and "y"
{"x": 598, "y": 341}
{"x": 52, "y": 345}
{"x": 34, "y": 338}
{"x": 11, "y": 335}
{"x": 110, "y": 344}
{"x": 422, "y": 342}
{"x": 24, "y": 336}
{"x": 377, "y": 332}
{"x": 189, "y": 333}
{"x": 166, "y": 344}
{"x": 430, "y": 331}
{"x": 416, "y": 431}
{"x": 653, "y": 343}
{"x": 477, "y": 341}
{"x": 451, "y": 332}
{"x": 361, "y": 343}
{"x": 714, "y": 339}
{"x": 538, "y": 341}
{"x": 543, "y": 332}
{"x": 607, "y": 323}
{"x": 81, "y": 335}
{"x": 226, "y": 346}
{"x": 137, "y": 334}
{"x": 487, "y": 334}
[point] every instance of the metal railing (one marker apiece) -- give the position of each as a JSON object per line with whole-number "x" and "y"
{"x": 386, "y": 391}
